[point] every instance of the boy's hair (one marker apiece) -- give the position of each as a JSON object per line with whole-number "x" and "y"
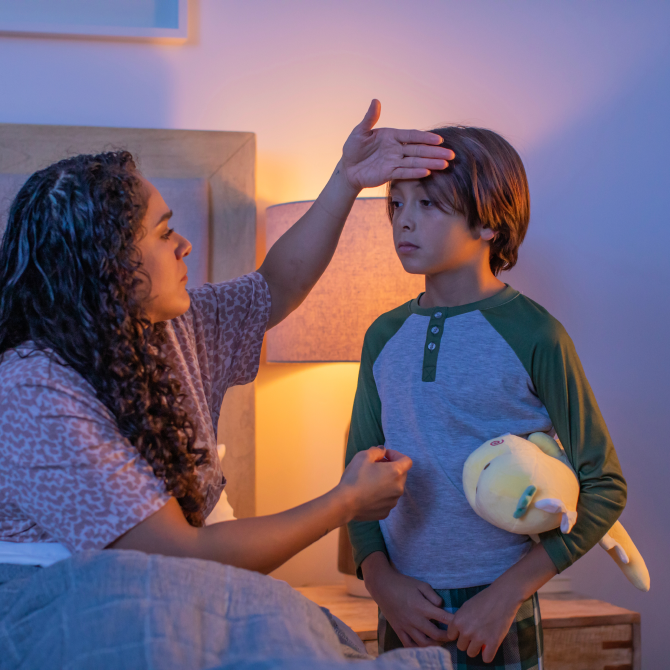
{"x": 487, "y": 184}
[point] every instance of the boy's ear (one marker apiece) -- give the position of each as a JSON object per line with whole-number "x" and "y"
{"x": 486, "y": 234}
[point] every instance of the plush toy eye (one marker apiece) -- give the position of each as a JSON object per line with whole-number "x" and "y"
{"x": 487, "y": 465}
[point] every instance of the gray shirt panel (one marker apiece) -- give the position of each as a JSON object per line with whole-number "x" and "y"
{"x": 481, "y": 390}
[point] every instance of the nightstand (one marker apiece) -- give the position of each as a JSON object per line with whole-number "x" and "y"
{"x": 579, "y": 633}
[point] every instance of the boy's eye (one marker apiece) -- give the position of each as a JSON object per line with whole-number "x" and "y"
{"x": 395, "y": 204}
{"x": 426, "y": 203}
{"x": 168, "y": 233}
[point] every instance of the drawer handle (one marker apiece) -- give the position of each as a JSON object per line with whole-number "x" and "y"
{"x": 618, "y": 644}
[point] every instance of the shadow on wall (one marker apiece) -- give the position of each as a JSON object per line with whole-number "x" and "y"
{"x": 596, "y": 257}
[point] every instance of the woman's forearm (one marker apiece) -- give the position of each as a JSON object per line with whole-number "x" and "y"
{"x": 368, "y": 490}
{"x": 258, "y": 543}
{"x": 264, "y": 543}
{"x": 300, "y": 256}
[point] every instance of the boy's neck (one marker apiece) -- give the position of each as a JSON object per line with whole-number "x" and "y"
{"x": 462, "y": 286}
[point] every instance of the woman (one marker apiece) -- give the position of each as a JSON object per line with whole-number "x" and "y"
{"x": 112, "y": 377}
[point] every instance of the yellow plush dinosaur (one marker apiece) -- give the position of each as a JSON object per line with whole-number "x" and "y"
{"x": 529, "y": 487}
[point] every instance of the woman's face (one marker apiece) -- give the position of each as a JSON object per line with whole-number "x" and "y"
{"x": 163, "y": 252}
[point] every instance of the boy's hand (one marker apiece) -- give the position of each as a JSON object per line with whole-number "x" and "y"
{"x": 373, "y": 157}
{"x": 482, "y": 622}
{"x": 410, "y": 606}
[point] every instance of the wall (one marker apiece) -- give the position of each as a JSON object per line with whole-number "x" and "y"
{"x": 583, "y": 91}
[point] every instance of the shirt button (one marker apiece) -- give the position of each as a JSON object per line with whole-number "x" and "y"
{"x": 431, "y": 346}
{"x": 435, "y": 330}
{"x": 437, "y": 315}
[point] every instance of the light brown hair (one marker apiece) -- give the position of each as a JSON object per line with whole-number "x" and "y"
{"x": 486, "y": 183}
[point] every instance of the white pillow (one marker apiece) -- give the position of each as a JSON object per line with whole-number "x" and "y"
{"x": 222, "y": 510}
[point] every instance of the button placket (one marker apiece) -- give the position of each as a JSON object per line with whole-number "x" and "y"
{"x": 432, "y": 347}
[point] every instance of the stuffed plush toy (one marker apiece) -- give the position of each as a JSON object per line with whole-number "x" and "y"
{"x": 529, "y": 487}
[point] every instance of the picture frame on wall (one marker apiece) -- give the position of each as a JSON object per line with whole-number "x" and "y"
{"x": 145, "y": 20}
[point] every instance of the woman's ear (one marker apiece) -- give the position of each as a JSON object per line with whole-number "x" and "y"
{"x": 486, "y": 234}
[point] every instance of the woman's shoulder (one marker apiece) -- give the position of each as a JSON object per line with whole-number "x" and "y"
{"x": 230, "y": 299}
{"x": 26, "y": 369}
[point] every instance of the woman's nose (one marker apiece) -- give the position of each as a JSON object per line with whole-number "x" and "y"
{"x": 184, "y": 247}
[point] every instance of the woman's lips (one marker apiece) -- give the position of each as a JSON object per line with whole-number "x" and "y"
{"x": 185, "y": 278}
{"x": 406, "y": 247}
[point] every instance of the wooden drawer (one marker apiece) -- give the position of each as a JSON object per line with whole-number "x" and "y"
{"x": 583, "y": 634}
{"x": 589, "y": 648}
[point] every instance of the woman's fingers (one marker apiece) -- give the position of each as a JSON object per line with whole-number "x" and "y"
{"x": 409, "y": 173}
{"x": 416, "y": 137}
{"x": 427, "y": 151}
{"x": 394, "y": 455}
{"x": 376, "y": 485}
{"x": 375, "y": 454}
{"x": 426, "y": 163}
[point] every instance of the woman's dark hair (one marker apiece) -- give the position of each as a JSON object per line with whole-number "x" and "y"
{"x": 70, "y": 276}
{"x": 487, "y": 184}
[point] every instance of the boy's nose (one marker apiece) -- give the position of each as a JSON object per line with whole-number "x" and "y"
{"x": 406, "y": 221}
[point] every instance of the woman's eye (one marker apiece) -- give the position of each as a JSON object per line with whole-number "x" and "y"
{"x": 426, "y": 203}
{"x": 168, "y": 233}
{"x": 395, "y": 204}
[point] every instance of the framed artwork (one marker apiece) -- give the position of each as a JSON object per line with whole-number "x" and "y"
{"x": 163, "y": 20}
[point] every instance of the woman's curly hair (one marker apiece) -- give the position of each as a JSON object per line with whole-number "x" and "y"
{"x": 70, "y": 277}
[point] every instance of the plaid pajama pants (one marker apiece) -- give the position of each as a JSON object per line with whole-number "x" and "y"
{"x": 521, "y": 649}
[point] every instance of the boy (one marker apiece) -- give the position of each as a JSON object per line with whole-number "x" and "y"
{"x": 468, "y": 360}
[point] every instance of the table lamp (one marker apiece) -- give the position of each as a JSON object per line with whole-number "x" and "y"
{"x": 364, "y": 279}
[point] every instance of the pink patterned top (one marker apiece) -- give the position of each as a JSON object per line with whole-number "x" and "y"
{"x": 67, "y": 474}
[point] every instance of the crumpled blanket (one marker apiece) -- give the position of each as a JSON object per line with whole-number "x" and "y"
{"x": 111, "y": 610}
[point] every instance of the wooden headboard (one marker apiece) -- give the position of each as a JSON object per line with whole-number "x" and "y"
{"x": 208, "y": 179}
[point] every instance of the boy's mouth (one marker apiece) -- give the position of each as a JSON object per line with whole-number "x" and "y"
{"x": 406, "y": 247}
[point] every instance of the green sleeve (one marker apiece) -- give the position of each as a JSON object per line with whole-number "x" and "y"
{"x": 548, "y": 355}
{"x": 366, "y": 425}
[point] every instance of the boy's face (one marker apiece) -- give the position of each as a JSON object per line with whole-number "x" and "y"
{"x": 429, "y": 241}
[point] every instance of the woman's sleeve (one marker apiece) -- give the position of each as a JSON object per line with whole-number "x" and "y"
{"x": 68, "y": 469}
{"x": 229, "y": 322}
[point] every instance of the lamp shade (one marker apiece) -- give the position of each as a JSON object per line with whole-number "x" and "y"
{"x": 364, "y": 279}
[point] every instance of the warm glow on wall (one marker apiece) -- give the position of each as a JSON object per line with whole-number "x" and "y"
{"x": 364, "y": 280}
{"x": 302, "y": 413}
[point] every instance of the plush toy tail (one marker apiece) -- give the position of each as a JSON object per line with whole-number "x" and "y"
{"x": 620, "y": 547}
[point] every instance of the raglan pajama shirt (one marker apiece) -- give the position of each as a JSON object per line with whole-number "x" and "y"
{"x": 436, "y": 383}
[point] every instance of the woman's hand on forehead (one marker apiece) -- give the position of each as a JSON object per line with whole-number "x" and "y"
{"x": 373, "y": 156}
